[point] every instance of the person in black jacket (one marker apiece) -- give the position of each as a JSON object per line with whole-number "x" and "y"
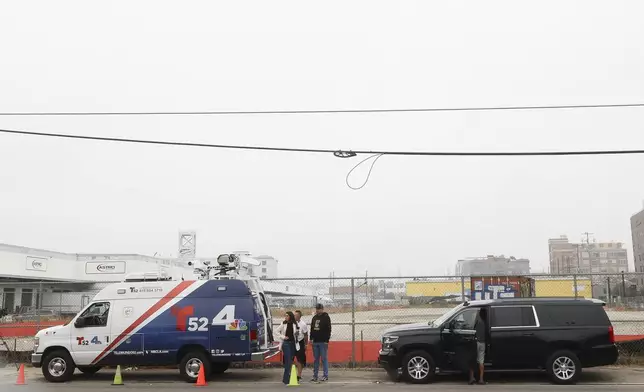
{"x": 319, "y": 336}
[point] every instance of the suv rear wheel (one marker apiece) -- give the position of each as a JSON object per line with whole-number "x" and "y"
{"x": 563, "y": 367}
{"x": 418, "y": 367}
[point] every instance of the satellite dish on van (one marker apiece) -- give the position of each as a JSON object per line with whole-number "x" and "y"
{"x": 223, "y": 260}
{"x": 249, "y": 260}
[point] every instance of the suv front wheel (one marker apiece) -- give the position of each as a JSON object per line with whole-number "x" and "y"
{"x": 564, "y": 367}
{"x": 418, "y": 367}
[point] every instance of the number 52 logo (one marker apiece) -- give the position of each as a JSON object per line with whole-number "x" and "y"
{"x": 224, "y": 317}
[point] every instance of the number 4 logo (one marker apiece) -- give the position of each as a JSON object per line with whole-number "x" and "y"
{"x": 226, "y": 316}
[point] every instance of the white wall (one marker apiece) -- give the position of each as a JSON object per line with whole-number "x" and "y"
{"x": 37, "y": 265}
{"x": 34, "y": 264}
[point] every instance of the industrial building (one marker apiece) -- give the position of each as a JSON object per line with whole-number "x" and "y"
{"x": 492, "y": 265}
{"x": 637, "y": 234}
{"x": 36, "y": 278}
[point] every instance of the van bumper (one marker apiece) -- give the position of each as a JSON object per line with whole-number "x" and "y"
{"x": 265, "y": 354}
{"x": 36, "y": 360}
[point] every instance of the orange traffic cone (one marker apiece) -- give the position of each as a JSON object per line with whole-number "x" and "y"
{"x": 21, "y": 376}
{"x": 201, "y": 378}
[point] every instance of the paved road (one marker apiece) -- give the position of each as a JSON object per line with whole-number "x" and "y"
{"x": 609, "y": 379}
{"x": 356, "y": 388}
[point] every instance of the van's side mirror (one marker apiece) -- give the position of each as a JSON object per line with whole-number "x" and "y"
{"x": 80, "y": 322}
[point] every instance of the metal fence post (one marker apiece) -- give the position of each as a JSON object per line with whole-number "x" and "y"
{"x": 623, "y": 290}
{"x": 353, "y": 322}
{"x": 463, "y": 289}
{"x": 38, "y": 304}
{"x": 574, "y": 280}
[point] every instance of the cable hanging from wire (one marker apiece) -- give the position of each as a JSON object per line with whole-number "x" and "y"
{"x": 374, "y": 158}
{"x": 322, "y": 111}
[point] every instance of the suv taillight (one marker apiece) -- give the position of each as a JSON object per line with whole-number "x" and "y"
{"x": 611, "y": 334}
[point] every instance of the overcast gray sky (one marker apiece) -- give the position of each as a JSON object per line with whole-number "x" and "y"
{"x": 417, "y": 215}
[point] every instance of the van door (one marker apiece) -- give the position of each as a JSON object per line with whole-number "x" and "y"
{"x": 90, "y": 333}
{"x": 129, "y": 349}
{"x": 262, "y": 330}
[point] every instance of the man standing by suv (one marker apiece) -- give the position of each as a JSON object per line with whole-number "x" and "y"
{"x": 320, "y": 336}
{"x": 481, "y": 335}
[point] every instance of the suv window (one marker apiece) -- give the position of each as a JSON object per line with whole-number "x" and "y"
{"x": 565, "y": 315}
{"x": 513, "y": 316}
{"x": 465, "y": 320}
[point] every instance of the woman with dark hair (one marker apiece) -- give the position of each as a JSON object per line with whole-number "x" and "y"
{"x": 289, "y": 335}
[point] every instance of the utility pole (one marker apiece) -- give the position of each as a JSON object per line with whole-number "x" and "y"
{"x": 587, "y": 234}
{"x": 587, "y": 249}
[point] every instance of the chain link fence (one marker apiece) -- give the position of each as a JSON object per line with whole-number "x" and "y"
{"x": 361, "y": 308}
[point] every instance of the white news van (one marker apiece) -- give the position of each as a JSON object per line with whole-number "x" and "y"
{"x": 144, "y": 320}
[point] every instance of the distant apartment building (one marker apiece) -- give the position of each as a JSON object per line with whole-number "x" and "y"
{"x": 492, "y": 265}
{"x": 637, "y": 233}
{"x": 586, "y": 257}
{"x": 267, "y": 268}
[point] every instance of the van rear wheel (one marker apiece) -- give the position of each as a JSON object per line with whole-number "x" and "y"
{"x": 191, "y": 364}
{"x": 58, "y": 366}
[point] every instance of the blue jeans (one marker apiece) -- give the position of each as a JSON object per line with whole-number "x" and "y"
{"x": 288, "y": 351}
{"x": 320, "y": 352}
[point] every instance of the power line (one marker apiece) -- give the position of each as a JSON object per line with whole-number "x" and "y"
{"x": 337, "y": 153}
{"x": 329, "y": 111}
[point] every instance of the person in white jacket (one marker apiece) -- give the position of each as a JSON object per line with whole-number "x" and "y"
{"x": 289, "y": 334}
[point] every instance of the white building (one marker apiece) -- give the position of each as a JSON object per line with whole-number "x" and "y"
{"x": 267, "y": 269}
{"x": 492, "y": 265}
{"x": 31, "y": 278}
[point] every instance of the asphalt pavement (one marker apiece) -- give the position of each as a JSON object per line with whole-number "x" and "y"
{"x": 242, "y": 380}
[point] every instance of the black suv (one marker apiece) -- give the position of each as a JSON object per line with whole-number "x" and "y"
{"x": 560, "y": 335}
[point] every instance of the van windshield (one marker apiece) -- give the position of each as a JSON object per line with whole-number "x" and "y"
{"x": 439, "y": 321}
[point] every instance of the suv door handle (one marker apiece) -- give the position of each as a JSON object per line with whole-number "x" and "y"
{"x": 528, "y": 334}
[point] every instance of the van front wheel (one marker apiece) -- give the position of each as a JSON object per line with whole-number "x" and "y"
{"x": 191, "y": 364}
{"x": 58, "y": 366}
